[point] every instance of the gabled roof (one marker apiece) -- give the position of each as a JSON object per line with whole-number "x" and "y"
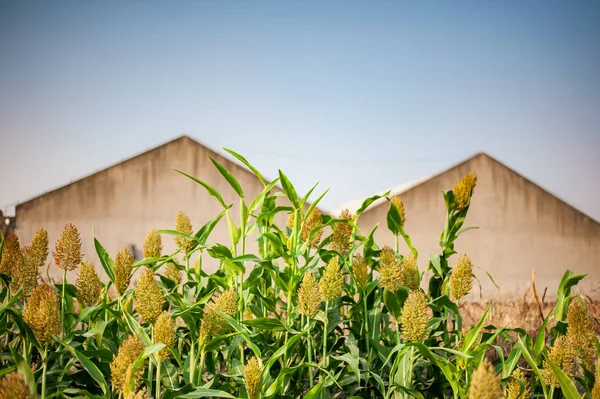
{"x": 179, "y": 138}
{"x": 353, "y": 206}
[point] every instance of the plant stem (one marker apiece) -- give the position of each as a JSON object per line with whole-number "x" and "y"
{"x": 310, "y": 370}
{"x": 63, "y": 301}
{"x": 158, "y": 363}
{"x": 201, "y": 372}
{"x": 192, "y": 362}
{"x": 325, "y": 322}
{"x": 44, "y": 368}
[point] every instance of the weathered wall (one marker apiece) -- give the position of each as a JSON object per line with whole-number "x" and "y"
{"x": 123, "y": 203}
{"x": 521, "y": 227}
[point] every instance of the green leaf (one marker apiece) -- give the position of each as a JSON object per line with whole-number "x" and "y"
{"x": 534, "y": 365}
{"x": 567, "y": 386}
{"x": 289, "y": 189}
{"x": 91, "y": 368}
{"x": 208, "y": 188}
{"x": 394, "y": 219}
{"x": 245, "y": 162}
{"x": 368, "y": 202}
{"x": 265, "y": 323}
{"x": 206, "y": 393}
{"x": 25, "y": 371}
{"x": 563, "y": 296}
{"x": 244, "y": 333}
{"x": 394, "y": 301}
{"x": 229, "y": 177}
{"x": 260, "y": 197}
{"x": 105, "y": 260}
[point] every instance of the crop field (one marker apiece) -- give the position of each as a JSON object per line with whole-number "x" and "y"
{"x": 319, "y": 311}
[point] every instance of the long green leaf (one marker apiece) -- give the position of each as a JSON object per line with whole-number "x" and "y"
{"x": 289, "y": 189}
{"x": 208, "y": 188}
{"x": 567, "y": 386}
{"x": 105, "y": 260}
{"x": 229, "y": 177}
{"x": 245, "y": 162}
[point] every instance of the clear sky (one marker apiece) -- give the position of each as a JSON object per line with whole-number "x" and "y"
{"x": 360, "y": 96}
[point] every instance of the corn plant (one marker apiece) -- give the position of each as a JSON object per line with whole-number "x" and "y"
{"x": 302, "y": 304}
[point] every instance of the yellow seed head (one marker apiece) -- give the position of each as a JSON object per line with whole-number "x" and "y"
{"x": 411, "y": 278}
{"x": 485, "y": 384}
{"x": 596, "y": 389}
{"x": 183, "y": 225}
{"x": 123, "y": 268}
{"x": 128, "y": 354}
{"x": 332, "y": 281}
{"x": 252, "y": 376}
{"x": 309, "y": 296}
{"x": 415, "y": 316}
{"x": 514, "y": 389}
{"x": 400, "y": 205}
{"x": 164, "y": 333}
{"x": 248, "y": 315}
{"x": 153, "y": 245}
{"x": 89, "y": 286}
{"x": 561, "y": 354}
{"x": 461, "y": 280}
{"x": 12, "y": 250}
{"x": 42, "y": 313}
{"x": 213, "y": 324}
{"x": 360, "y": 272}
{"x": 463, "y": 191}
{"x": 141, "y": 394}
{"x": 313, "y": 220}
{"x": 24, "y": 272}
{"x": 14, "y": 386}
{"x": 581, "y": 333}
{"x": 149, "y": 298}
{"x": 390, "y": 273}
{"x": 341, "y": 237}
{"x": 173, "y": 273}
{"x": 39, "y": 248}
{"x": 67, "y": 254}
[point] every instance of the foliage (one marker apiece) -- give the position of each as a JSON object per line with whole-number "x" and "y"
{"x": 307, "y": 315}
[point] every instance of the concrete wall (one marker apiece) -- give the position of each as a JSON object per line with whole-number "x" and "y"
{"x": 521, "y": 227}
{"x": 123, "y": 203}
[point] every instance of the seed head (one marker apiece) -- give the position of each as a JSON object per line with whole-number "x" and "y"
{"x": 14, "y": 386}
{"x": 89, "y": 286}
{"x": 309, "y": 296}
{"x": 400, "y": 205}
{"x": 596, "y": 389}
{"x": 461, "y": 280}
{"x": 332, "y": 281}
{"x": 128, "y": 354}
{"x": 485, "y": 384}
{"x": 252, "y": 376}
{"x": 213, "y": 324}
{"x": 562, "y": 354}
{"x": 24, "y": 272}
{"x": 42, "y": 313}
{"x": 183, "y": 225}
{"x": 341, "y": 238}
{"x": 410, "y": 272}
{"x": 514, "y": 390}
{"x": 463, "y": 191}
{"x": 12, "y": 250}
{"x": 149, "y": 298}
{"x": 360, "y": 272}
{"x": 153, "y": 245}
{"x": 248, "y": 315}
{"x": 581, "y": 333}
{"x": 173, "y": 273}
{"x": 390, "y": 273}
{"x": 123, "y": 268}
{"x": 313, "y": 220}
{"x": 415, "y": 316}
{"x": 39, "y": 248}
{"x": 67, "y": 254}
{"x": 164, "y": 333}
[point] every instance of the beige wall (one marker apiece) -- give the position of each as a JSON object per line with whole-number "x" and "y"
{"x": 123, "y": 203}
{"x": 521, "y": 228}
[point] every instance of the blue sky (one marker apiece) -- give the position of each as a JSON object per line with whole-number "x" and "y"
{"x": 360, "y": 96}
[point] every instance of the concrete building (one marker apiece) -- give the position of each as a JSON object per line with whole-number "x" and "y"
{"x": 521, "y": 227}
{"x": 121, "y": 204}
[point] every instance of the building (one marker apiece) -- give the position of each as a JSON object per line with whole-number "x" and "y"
{"x": 521, "y": 227}
{"x": 121, "y": 204}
